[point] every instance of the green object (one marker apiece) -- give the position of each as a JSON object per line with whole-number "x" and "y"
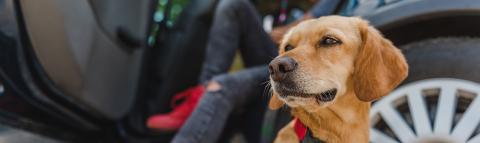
{"x": 160, "y": 15}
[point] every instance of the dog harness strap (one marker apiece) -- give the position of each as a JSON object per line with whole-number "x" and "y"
{"x": 300, "y": 129}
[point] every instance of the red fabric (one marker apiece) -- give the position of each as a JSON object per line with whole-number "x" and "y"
{"x": 190, "y": 93}
{"x": 174, "y": 120}
{"x": 300, "y": 129}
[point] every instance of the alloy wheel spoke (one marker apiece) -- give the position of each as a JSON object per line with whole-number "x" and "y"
{"x": 379, "y": 137}
{"x": 419, "y": 112}
{"x": 445, "y": 111}
{"x": 397, "y": 124}
{"x": 466, "y": 126}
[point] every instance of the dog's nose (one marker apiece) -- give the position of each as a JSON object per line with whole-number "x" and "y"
{"x": 279, "y": 67}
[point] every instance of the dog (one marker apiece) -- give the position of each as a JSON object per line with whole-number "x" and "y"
{"x": 328, "y": 71}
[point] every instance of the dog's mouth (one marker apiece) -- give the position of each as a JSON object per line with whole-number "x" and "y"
{"x": 325, "y": 96}
{"x": 328, "y": 95}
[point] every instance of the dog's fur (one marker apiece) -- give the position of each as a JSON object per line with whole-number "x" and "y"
{"x": 363, "y": 67}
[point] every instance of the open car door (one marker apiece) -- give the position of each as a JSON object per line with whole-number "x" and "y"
{"x": 77, "y": 62}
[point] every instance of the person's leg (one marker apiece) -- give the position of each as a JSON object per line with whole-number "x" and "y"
{"x": 232, "y": 26}
{"x": 254, "y": 116}
{"x": 207, "y": 121}
{"x": 236, "y": 25}
{"x": 256, "y": 46}
{"x": 235, "y": 22}
{"x": 223, "y": 41}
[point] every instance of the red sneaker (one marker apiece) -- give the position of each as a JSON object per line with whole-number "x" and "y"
{"x": 174, "y": 120}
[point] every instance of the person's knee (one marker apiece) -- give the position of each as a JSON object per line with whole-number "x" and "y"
{"x": 247, "y": 78}
{"x": 213, "y": 86}
{"x": 221, "y": 83}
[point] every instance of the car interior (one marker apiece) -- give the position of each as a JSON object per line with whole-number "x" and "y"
{"x": 97, "y": 61}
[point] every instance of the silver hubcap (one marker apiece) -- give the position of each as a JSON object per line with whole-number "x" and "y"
{"x": 434, "y": 110}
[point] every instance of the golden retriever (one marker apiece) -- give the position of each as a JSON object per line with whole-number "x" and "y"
{"x": 328, "y": 71}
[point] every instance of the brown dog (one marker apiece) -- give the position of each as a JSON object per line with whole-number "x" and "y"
{"x": 328, "y": 71}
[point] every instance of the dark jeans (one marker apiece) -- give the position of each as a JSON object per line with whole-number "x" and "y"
{"x": 236, "y": 26}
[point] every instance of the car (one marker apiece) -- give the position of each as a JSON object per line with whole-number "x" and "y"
{"x": 93, "y": 71}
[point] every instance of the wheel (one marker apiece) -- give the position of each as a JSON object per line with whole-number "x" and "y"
{"x": 438, "y": 100}
{"x": 434, "y": 110}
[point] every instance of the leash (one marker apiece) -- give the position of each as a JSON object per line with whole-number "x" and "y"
{"x": 304, "y": 133}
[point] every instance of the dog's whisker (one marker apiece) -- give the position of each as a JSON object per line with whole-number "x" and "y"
{"x": 265, "y": 82}
{"x": 267, "y": 89}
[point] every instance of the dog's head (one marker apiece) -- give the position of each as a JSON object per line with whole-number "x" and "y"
{"x": 327, "y": 57}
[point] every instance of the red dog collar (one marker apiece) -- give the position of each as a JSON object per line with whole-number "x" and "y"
{"x": 300, "y": 129}
{"x": 304, "y": 134}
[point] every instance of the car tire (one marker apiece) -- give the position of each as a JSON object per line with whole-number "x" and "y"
{"x": 447, "y": 57}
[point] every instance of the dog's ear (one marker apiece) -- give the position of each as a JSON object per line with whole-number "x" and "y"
{"x": 275, "y": 102}
{"x": 379, "y": 65}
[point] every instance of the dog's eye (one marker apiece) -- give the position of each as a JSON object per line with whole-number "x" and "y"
{"x": 288, "y": 48}
{"x": 328, "y": 41}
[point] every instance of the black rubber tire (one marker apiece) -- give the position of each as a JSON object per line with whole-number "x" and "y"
{"x": 446, "y": 57}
